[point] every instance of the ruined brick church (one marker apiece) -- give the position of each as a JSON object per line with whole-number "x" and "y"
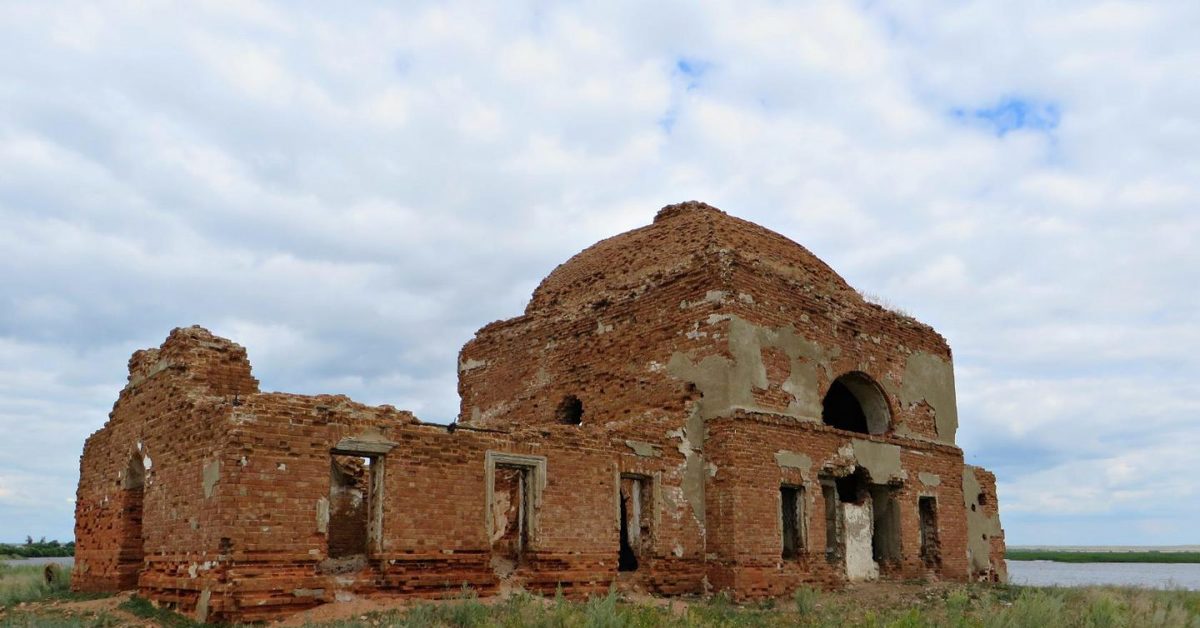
{"x": 694, "y": 406}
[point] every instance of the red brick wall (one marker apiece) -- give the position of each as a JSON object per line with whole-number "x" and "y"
{"x": 640, "y": 328}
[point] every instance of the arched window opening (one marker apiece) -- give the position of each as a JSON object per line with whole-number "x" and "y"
{"x": 855, "y": 403}
{"x": 570, "y": 411}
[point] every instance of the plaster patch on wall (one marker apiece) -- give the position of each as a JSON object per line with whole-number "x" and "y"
{"x": 859, "y": 526}
{"x": 211, "y": 474}
{"x": 930, "y": 378}
{"x": 929, "y": 479}
{"x": 202, "y": 606}
{"x": 728, "y": 384}
{"x": 881, "y": 460}
{"x": 643, "y": 449}
{"x": 981, "y": 527}
{"x": 323, "y": 515}
{"x": 691, "y": 442}
{"x": 794, "y": 460}
{"x": 470, "y": 364}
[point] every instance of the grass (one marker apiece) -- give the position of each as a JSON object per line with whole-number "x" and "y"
{"x": 145, "y": 609}
{"x": 1066, "y": 556}
{"x": 27, "y": 583}
{"x": 962, "y": 607}
{"x": 888, "y": 606}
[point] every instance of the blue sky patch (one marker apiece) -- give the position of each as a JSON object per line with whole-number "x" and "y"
{"x": 1011, "y": 114}
{"x": 691, "y": 70}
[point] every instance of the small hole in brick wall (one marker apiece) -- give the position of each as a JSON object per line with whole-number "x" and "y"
{"x": 569, "y": 411}
{"x": 982, "y": 499}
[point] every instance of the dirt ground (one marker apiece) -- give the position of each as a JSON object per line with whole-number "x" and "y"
{"x": 83, "y": 609}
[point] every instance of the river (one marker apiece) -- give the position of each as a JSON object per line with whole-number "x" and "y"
{"x": 1150, "y": 575}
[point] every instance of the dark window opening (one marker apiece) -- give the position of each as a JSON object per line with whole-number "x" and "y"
{"x": 792, "y": 520}
{"x": 569, "y": 411}
{"x": 511, "y": 511}
{"x": 855, "y": 403}
{"x": 348, "y": 532}
{"x": 131, "y": 552}
{"x": 931, "y": 552}
{"x": 833, "y": 520}
{"x": 982, "y": 499}
{"x": 637, "y": 515}
{"x": 885, "y": 538}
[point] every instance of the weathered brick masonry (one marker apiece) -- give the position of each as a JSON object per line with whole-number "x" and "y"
{"x": 697, "y": 405}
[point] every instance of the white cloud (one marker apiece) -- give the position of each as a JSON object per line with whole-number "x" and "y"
{"x": 352, "y": 193}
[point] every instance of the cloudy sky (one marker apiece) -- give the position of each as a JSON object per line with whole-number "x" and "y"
{"x": 350, "y": 194}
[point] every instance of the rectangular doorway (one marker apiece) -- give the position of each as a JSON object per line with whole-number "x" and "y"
{"x": 349, "y": 505}
{"x": 355, "y": 524}
{"x": 510, "y": 509}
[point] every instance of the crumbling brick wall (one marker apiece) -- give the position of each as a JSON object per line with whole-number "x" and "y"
{"x": 168, "y": 421}
{"x": 690, "y": 358}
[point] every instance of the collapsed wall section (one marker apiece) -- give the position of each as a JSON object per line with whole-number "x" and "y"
{"x": 985, "y": 537}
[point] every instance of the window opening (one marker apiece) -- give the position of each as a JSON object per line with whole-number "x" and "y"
{"x": 855, "y": 403}
{"x": 885, "y": 538}
{"x": 833, "y": 520}
{"x": 792, "y": 520}
{"x": 931, "y": 552}
{"x": 636, "y": 509}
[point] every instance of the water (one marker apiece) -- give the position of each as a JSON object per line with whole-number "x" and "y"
{"x": 1149, "y": 575}
{"x": 61, "y": 560}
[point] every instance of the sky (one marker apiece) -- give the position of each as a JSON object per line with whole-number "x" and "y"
{"x": 351, "y": 192}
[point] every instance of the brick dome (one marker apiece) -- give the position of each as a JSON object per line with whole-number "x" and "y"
{"x": 685, "y": 238}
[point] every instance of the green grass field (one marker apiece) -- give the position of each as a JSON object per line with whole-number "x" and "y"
{"x": 1064, "y": 556}
{"x": 26, "y": 583}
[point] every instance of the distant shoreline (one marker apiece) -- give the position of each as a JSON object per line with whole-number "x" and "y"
{"x": 1107, "y": 548}
{"x": 1178, "y": 554}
